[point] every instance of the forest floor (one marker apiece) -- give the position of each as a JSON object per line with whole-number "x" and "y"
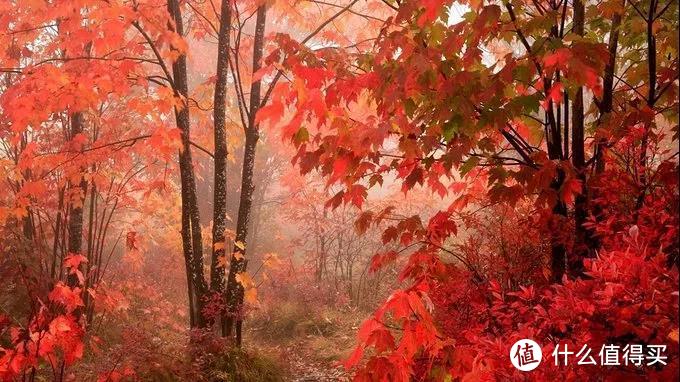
{"x": 304, "y": 365}
{"x": 315, "y": 350}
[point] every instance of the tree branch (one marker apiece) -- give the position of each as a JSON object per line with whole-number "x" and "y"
{"x": 153, "y": 47}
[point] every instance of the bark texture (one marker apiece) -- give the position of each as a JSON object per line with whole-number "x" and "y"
{"x": 192, "y": 241}
{"x": 235, "y": 291}
{"x": 75, "y": 221}
{"x": 217, "y": 272}
{"x": 580, "y": 250}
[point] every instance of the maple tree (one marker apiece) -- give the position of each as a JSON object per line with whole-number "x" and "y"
{"x": 473, "y": 172}
{"x": 88, "y": 90}
{"x": 493, "y": 101}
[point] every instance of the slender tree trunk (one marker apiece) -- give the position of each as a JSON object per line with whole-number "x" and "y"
{"x": 27, "y": 222}
{"x": 64, "y": 240}
{"x": 558, "y": 250}
{"x": 566, "y": 125}
{"x": 57, "y": 234}
{"x": 607, "y": 101}
{"x": 75, "y": 221}
{"x": 651, "y": 100}
{"x": 606, "y": 105}
{"x": 192, "y": 243}
{"x": 217, "y": 272}
{"x": 580, "y": 248}
{"x": 322, "y": 259}
{"x": 235, "y": 290}
{"x": 553, "y": 136}
{"x": 90, "y": 247}
{"x": 75, "y": 218}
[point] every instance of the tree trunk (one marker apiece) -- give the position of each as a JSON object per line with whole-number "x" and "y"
{"x": 558, "y": 251}
{"x": 217, "y": 272}
{"x": 235, "y": 290}
{"x": 605, "y": 107}
{"x": 91, "y": 263}
{"x": 608, "y": 87}
{"x": 651, "y": 100}
{"x": 192, "y": 243}
{"x": 75, "y": 221}
{"x": 580, "y": 248}
{"x": 57, "y": 234}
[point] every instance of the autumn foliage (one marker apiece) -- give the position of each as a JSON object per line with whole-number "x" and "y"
{"x": 461, "y": 175}
{"x": 487, "y": 111}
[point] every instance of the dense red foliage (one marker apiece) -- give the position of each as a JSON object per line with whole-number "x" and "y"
{"x": 532, "y": 144}
{"x": 51, "y": 335}
{"x": 483, "y": 130}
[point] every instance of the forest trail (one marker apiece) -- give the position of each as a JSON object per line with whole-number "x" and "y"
{"x": 317, "y": 352}
{"x": 305, "y": 370}
{"x": 302, "y": 360}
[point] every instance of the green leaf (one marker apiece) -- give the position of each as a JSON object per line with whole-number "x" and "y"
{"x": 302, "y": 135}
{"x": 410, "y": 107}
{"x": 451, "y": 127}
{"x": 528, "y": 103}
{"x": 469, "y": 164}
{"x": 521, "y": 73}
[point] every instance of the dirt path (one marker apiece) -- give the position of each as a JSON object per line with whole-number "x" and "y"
{"x": 305, "y": 363}
{"x": 312, "y": 349}
{"x": 303, "y": 371}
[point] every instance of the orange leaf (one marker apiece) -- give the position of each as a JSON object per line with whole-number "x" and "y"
{"x": 250, "y": 295}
